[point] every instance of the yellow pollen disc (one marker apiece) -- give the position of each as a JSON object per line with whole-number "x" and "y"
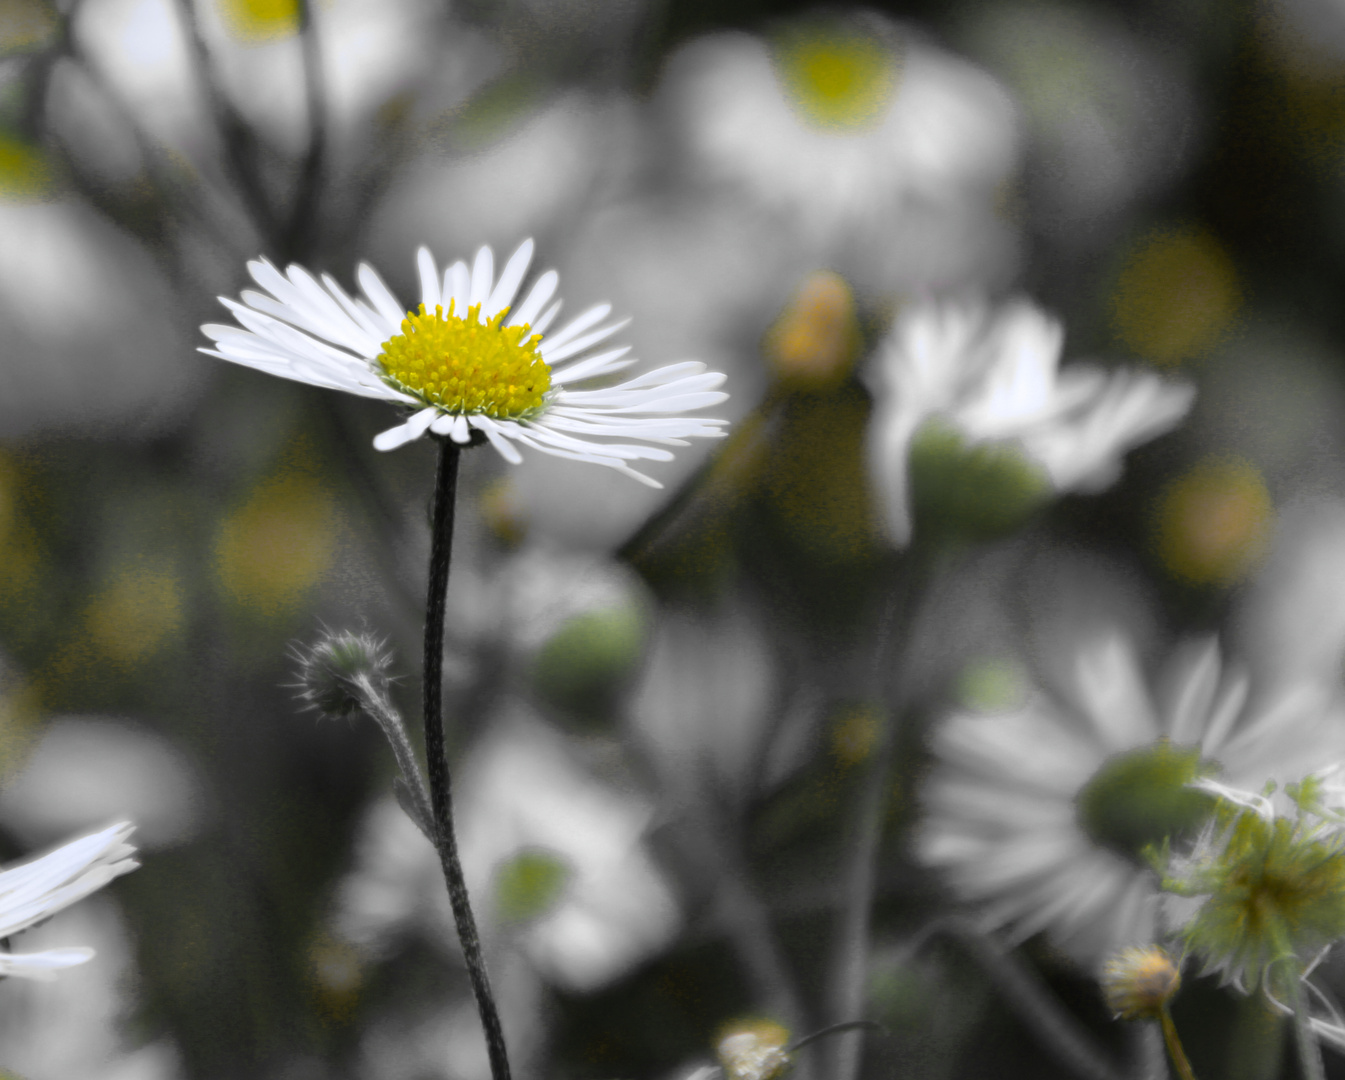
{"x": 465, "y": 365}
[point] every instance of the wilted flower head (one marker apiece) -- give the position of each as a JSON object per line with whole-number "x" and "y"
{"x": 468, "y": 363}
{"x": 993, "y": 377}
{"x": 1268, "y": 875}
{"x": 34, "y": 891}
{"x": 1139, "y": 981}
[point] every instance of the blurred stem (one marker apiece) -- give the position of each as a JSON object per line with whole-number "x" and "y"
{"x": 1174, "y": 1045}
{"x": 441, "y": 545}
{"x": 1305, "y": 1041}
{"x": 1022, "y": 990}
{"x": 240, "y": 147}
{"x": 303, "y": 214}
{"x": 848, "y": 982}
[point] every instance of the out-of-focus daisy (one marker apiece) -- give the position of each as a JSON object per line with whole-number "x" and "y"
{"x": 558, "y": 852}
{"x": 833, "y": 120}
{"x": 992, "y": 376}
{"x": 1038, "y": 813}
{"x": 34, "y": 891}
{"x": 468, "y": 361}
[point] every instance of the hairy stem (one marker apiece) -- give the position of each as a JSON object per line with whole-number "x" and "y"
{"x": 441, "y": 543}
{"x": 1174, "y": 1045}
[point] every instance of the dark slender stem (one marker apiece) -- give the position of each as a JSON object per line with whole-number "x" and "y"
{"x": 441, "y": 545}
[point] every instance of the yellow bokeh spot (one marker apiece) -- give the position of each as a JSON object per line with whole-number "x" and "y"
{"x": 464, "y": 365}
{"x": 813, "y": 343}
{"x": 275, "y": 547}
{"x": 837, "y": 77}
{"x": 20, "y": 723}
{"x": 336, "y": 974}
{"x": 1214, "y": 522}
{"x": 261, "y": 20}
{"x": 24, "y": 172}
{"x": 135, "y": 614}
{"x": 1176, "y": 295}
{"x": 855, "y": 732}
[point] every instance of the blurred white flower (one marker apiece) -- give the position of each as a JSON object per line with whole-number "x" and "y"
{"x": 833, "y": 121}
{"x": 120, "y": 364}
{"x": 551, "y": 854}
{"x": 1037, "y": 812}
{"x": 462, "y": 369}
{"x": 81, "y": 1026}
{"x": 32, "y": 892}
{"x": 1291, "y": 621}
{"x": 993, "y": 376}
{"x": 87, "y": 770}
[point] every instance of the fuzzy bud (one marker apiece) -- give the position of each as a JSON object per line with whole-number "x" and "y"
{"x": 331, "y": 671}
{"x": 1138, "y": 982}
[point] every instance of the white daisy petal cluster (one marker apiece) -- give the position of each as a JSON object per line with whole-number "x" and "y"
{"x": 994, "y": 376}
{"x": 34, "y": 891}
{"x": 510, "y": 381}
{"x": 1012, "y": 801}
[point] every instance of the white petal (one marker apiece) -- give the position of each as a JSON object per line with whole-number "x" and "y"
{"x": 590, "y": 367}
{"x": 539, "y": 327}
{"x": 457, "y": 288}
{"x": 483, "y": 271}
{"x": 502, "y": 296}
{"x": 554, "y": 354}
{"x": 406, "y": 432}
{"x": 542, "y": 291}
{"x": 507, "y": 450}
{"x": 430, "y": 295}
{"x": 383, "y": 300}
{"x": 43, "y": 965}
{"x": 577, "y": 326}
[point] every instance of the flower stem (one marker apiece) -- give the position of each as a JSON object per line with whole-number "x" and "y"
{"x": 1174, "y": 1044}
{"x": 1305, "y": 1041}
{"x": 441, "y": 544}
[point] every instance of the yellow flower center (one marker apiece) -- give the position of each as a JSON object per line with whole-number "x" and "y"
{"x": 1141, "y": 797}
{"x": 462, "y": 365}
{"x": 838, "y": 77}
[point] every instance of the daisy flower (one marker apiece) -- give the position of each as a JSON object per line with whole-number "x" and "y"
{"x": 994, "y": 377}
{"x": 833, "y": 120}
{"x": 1039, "y": 814}
{"x": 34, "y": 891}
{"x": 468, "y": 363}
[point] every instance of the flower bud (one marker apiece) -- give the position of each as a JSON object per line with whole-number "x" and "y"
{"x": 1138, "y": 982}
{"x": 331, "y": 671}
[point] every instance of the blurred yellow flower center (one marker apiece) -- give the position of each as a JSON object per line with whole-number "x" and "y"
{"x": 838, "y": 78}
{"x": 1139, "y": 798}
{"x": 467, "y": 366}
